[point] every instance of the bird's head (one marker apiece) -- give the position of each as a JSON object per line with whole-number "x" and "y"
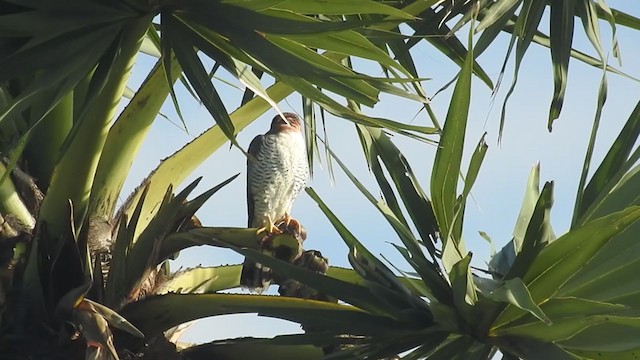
{"x": 290, "y": 123}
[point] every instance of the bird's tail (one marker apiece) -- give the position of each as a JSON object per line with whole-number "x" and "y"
{"x": 255, "y": 276}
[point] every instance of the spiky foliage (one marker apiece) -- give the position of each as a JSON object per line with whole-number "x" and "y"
{"x": 80, "y": 279}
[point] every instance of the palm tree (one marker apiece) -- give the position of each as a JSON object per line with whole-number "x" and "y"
{"x": 82, "y": 277}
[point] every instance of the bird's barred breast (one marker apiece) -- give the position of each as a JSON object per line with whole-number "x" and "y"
{"x": 280, "y": 172}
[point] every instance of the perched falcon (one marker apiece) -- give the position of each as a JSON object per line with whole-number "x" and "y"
{"x": 277, "y": 170}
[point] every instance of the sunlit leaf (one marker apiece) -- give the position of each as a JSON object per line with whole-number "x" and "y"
{"x": 602, "y": 97}
{"x": 514, "y": 292}
{"x": 613, "y": 166}
{"x": 448, "y": 159}
{"x": 564, "y": 258}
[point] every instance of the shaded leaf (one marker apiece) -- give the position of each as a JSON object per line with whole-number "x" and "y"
{"x": 537, "y": 236}
{"x": 464, "y": 291}
{"x": 561, "y": 35}
{"x": 154, "y": 315}
{"x": 245, "y": 348}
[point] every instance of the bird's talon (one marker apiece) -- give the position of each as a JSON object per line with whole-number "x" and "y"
{"x": 287, "y": 220}
{"x": 274, "y": 230}
{"x": 295, "y": 224}
{"x": 270, "y": 229}
{"x": 291, "y": 226}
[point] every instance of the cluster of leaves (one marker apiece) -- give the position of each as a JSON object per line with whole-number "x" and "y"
{"x": 566, "y": 298}
{"x": 57, "y": 124}
{"x": 63, "y": 69}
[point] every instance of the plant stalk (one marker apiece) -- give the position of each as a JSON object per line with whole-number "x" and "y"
{"x": 126, "y": 137}
{"x": 72, "y": 178}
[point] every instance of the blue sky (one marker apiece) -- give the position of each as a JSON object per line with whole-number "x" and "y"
{"x": 498, "y": 192}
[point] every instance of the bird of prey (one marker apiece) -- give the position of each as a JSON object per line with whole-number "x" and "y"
{"x": 277, "y": 170}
